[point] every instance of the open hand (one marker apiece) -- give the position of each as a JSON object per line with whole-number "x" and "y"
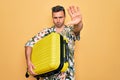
{"x": 75, "y": 15}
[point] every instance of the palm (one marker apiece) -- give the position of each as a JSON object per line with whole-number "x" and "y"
{"x": 75, "y": 15}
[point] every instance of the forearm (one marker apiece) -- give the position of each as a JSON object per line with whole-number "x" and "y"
{"x": 78, "y": 28}
{"x": 30, "y": 66}
{"x": 28, "y": 51}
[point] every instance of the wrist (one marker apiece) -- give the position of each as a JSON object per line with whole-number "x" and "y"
{"x": 29, "y": 63}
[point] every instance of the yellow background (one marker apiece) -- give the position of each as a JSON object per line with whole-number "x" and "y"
{"x": 97, "y": 54}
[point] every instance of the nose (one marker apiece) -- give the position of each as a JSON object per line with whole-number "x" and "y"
{"x": 58, "y": 20}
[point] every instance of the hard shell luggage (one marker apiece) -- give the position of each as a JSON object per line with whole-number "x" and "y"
{"x": 50, "y": 55}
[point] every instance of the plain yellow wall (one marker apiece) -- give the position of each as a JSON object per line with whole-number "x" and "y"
{"x": 97, "y": 54}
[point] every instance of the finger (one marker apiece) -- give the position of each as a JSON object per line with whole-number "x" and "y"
{"x": 32, "y": 72}
{"x": 72, "y": 9}
{"x": 33, "y": 67}
{"x": 69, "y": 12}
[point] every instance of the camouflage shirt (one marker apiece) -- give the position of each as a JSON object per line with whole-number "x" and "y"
{"x": 71, "y": 37}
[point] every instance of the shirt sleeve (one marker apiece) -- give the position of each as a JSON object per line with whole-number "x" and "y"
{"x": 37, "y": 37}
{"x": 77, "y": 37}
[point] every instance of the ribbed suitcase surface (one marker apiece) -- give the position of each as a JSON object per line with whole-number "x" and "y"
{"x": 46, "y": 54}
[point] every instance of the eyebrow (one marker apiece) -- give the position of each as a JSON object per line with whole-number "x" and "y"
{"x": 58, "y": 17}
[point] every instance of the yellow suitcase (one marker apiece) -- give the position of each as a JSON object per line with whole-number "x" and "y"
{"x": 50, "y": 55}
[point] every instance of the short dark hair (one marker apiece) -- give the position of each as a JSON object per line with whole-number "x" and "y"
{"x": 58, "y": 8}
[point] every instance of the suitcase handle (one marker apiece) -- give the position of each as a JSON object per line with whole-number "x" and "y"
{"x": 66, "y": 51}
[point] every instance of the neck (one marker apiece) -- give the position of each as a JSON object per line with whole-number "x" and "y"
{"x": 59, "y": 29}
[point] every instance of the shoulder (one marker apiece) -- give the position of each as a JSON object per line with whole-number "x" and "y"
{"x": 46, "y": 30}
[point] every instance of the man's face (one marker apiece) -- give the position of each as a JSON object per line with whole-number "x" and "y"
{"x": 58, "y": 18}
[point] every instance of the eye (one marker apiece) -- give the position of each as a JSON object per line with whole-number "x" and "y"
{"x": 60, "y": 17}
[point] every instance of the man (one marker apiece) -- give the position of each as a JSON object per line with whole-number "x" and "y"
{"x": 71, "y": 32}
